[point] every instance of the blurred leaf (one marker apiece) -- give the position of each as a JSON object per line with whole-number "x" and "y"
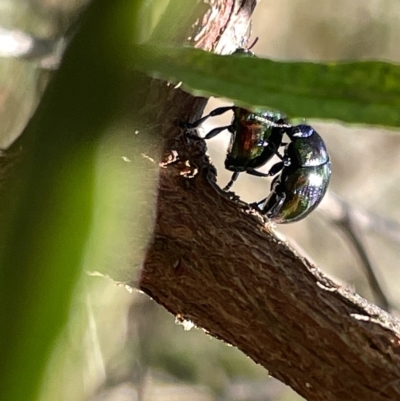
{"x": 47, "y": 211}
{"x": 365, "y": 92}
{"x": 174, "y": 23}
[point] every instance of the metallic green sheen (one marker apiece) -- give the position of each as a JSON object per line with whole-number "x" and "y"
{"x": 251, "y": 131}
{"x": 310, "y": 152}
{"x": 304, "y": 189}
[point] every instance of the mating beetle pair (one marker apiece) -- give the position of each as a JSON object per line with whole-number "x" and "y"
{"x": 304, "y": 168}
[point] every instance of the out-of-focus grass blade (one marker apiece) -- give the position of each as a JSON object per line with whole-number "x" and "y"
{"x": 46, "y": 210}
{"x": 172, "y": 26}
{"x": 366, "y": 92}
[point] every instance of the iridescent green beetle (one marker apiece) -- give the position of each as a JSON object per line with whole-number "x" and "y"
{"x": 305, "y": 171}
{"x": 305, "y": 167}
{"x": 256, "y": 134}
{"x": 256, "y": 137}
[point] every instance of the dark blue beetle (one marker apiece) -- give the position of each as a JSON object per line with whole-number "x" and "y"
{"x": 305, "y": 171}
{"x": 305, "y": 168}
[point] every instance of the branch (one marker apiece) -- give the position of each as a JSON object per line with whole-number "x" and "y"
{"x": 334, "y": 207}
{"x": 216, "y": 263}
{"x": 351, "y": 219}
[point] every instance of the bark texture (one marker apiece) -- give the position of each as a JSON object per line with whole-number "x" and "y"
{"x": 212, "y": 262}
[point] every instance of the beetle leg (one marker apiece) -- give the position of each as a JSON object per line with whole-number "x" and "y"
{"x": 276, "y": 207}
{"x": 276, "y": 168}
{"x": 216, "y": 112}
{"x": 273, "y": 183}
{"x": 252, "y": 171}
{"x": 235, "y": 175}
{"x": 280, "y": 157}
{"x": 256, "y": 205}
{"x": 221, "y": 110}
{"x": 265, "y": 143}
{"x": 261, "y": 202}
{"x": 216, "y": 131}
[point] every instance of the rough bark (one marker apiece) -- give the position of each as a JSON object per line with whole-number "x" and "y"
{"x": 216, "y": 263}
{"x": 212, "y": 262}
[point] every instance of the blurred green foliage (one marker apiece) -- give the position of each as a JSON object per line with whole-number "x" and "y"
{"x": 47, "y": 209}
{"x": 366, "y": 92}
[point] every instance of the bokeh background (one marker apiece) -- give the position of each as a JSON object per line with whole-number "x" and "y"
{"x": 120, "y": 345}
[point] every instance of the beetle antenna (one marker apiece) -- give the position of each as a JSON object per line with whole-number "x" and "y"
{"x": 253, "y": 44}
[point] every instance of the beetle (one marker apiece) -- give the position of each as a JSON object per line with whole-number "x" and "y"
{"x": 256, "y": 136}
{"x": 305, "y": 171}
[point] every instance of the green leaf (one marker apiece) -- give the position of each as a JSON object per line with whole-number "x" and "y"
{"x": 47, "y": 208}
{"x": 169, "y": 21}
{"x": 365, "y": 92}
